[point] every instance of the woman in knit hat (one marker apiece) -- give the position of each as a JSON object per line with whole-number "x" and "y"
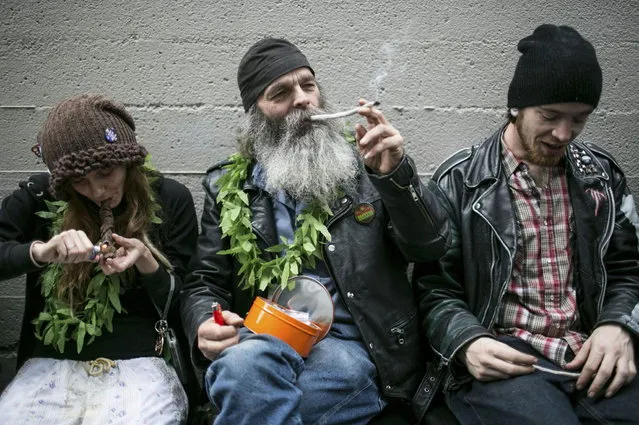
{"x": 103, "y": 241}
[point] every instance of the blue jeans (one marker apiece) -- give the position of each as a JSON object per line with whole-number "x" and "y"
{"x": 540, "y": 398}
{"x": 262, "y": 380}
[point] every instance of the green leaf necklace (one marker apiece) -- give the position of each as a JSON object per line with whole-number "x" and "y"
{"x": 235, "y": 224}
{"x": 59, "y": 322}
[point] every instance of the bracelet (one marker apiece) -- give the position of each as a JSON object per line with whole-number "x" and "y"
{"x": 33, "y": 260}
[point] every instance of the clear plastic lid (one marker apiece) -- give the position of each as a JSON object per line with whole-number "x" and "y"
{"x": 309, "y": 296}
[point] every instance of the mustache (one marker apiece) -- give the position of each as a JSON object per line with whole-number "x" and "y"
{"x": 295, "y": 124}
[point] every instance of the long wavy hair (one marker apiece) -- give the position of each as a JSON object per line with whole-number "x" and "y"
{"x": 133, "y": 222}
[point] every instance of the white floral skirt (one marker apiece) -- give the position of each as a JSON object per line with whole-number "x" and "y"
{"x": 67, "y": 392}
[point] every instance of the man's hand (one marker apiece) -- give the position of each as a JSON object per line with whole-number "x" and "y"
{"x": 212, "y": 338}
{"x": 381, "y": 145}
{"x": 607, "y": 353}
{"x": 489, "y": 360}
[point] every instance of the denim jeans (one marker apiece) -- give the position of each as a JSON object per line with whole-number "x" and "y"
{"x": 540, "y": 398}
{"x": 262, "y": 380}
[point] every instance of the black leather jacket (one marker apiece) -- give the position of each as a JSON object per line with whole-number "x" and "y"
{"x": 367, "y": 263}
{"x": 460, "y": 303}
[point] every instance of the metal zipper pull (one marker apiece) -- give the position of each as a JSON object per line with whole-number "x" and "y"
{"x": 399, "y": 333}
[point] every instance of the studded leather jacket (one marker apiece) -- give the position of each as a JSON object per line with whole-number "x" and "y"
{"x": 367, "y": 260}
{"x": 460, "y": 295}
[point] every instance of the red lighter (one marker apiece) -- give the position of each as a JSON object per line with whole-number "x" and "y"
{"x": 217, "y": 313}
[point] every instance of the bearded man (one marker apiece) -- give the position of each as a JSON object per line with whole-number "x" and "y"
{"x": 293, "y": 174}
{"x": 533, "y": 312}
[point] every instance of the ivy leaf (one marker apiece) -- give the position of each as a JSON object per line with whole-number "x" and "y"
{"x": 62, "y": 338}
{"x": 264, "y": 282}
{"x": 95, "y": 282}
{"x": 286, "y": 269}
{"x": 108, "y": 320}
{"x": 234, "y": 250}
{"x": 44, "y": 316}
{"x": 324, "y": 231}
{"x": 276, "y": 248}
{"x": 291, "y": 285}
{"x": 48, "y": 335}
{"x": 114, "y": 296}
{"x": 234, "y": 213}
{"x": 90, "y": 328}
{"x": 46, "y": 214}
{"x": 247, "y": 246}
{"x": 64, "y": 312}
{"x": 309, "y": 247}
{"x": 243, "y": 197}
{"x": 294, "y": 269}
{"x": 82, "y": 330}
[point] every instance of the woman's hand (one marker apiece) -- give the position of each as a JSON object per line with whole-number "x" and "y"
{"x": 131, "y": 252}
{"x": 70, "y": 246}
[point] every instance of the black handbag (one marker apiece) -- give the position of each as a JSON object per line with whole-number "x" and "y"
{"x": 167, "y": 343}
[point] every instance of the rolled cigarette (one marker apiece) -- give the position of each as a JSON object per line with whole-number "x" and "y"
{"x": 342, "y": 114}
{"x": 556, "y": 372}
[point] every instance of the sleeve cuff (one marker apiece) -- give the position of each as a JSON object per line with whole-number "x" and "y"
{"x": 401, "y": 175}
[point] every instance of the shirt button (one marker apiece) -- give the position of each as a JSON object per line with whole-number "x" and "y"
{"x": 331, "y": 248}
{"x": 350, "y": 295}
{"x": 344, "y": 200}
{"x": 552, "y": 298}
{"x": 545, "y": 222}
{"x": 388, "y": 388}
{"x": 547, "y": 261}
{"x": 370, "y": 345}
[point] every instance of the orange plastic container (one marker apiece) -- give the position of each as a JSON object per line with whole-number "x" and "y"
{"x": 265, "y": 317}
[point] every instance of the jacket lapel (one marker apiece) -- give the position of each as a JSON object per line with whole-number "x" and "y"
{"x": 490, "y": 189}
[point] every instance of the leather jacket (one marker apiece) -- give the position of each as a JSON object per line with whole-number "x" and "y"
{"x": 367, "y": 262}
{"x": 459, "y": 298}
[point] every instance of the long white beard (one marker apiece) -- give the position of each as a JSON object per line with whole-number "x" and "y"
{"x": 310, "y": 161}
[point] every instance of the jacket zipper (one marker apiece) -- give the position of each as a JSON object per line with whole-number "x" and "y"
{"x": 419, "y": 203}
{"x": 398, "y": 330}
{"x": 604, "y": 244}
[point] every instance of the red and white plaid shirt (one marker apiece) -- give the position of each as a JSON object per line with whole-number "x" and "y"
{"x": 540, "y": 304}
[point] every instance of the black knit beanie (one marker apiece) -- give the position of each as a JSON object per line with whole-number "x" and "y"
{"x": 263, "y": 63}
{"x": 557, "y": 65}
{"x": 86, "y": 133}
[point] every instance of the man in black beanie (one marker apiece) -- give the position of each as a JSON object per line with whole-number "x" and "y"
{"x": 299, "y": 199}
{"x": 533, "y": 312}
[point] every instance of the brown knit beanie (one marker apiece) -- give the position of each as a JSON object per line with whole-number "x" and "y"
{"x": 87, "y": 133}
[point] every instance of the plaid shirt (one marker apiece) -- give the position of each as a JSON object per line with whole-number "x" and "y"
{"x": 540, "y": 304}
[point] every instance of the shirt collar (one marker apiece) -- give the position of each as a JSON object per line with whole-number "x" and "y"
{"x": 509, "y": 160}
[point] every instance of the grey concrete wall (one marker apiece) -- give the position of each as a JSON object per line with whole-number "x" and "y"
{"x": 440, "y": 68}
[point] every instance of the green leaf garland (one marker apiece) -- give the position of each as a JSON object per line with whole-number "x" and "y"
{"x": 235, "y": 223}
